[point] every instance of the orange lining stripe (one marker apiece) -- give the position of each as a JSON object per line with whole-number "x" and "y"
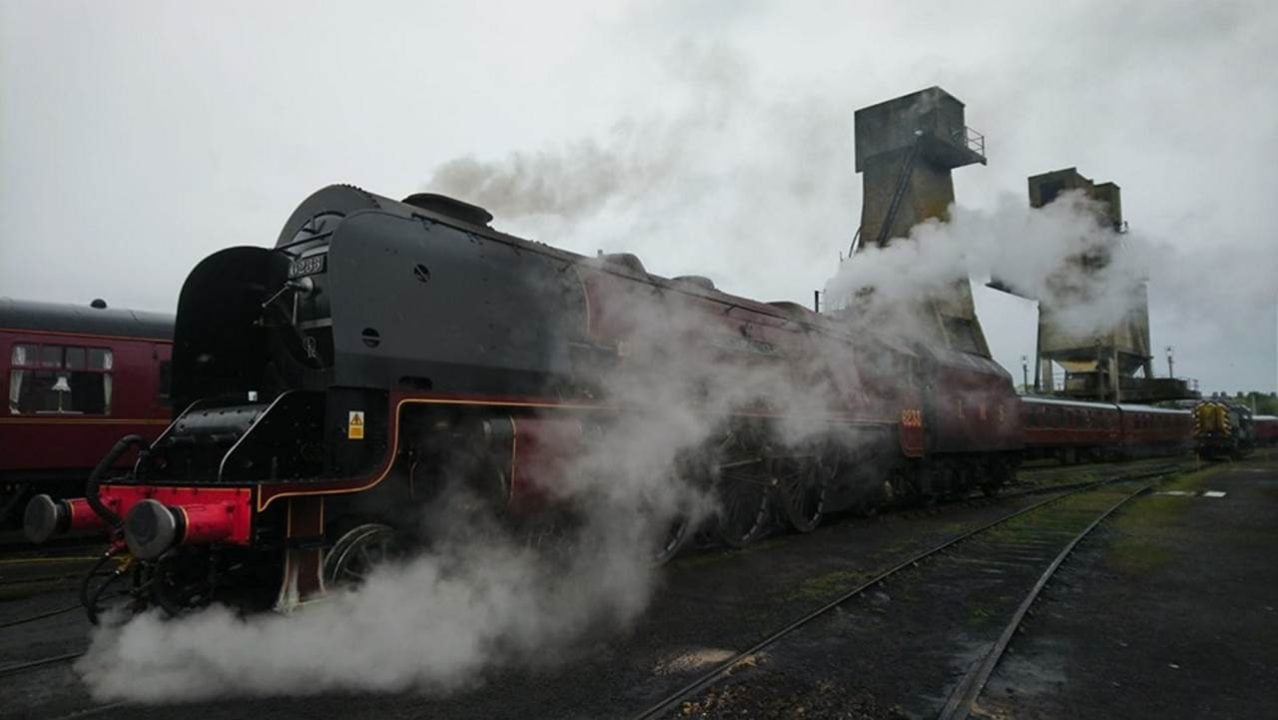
{"x": 394, "y": 450}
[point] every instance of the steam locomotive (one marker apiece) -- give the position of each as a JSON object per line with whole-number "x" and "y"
{"x": 330, "y": 387}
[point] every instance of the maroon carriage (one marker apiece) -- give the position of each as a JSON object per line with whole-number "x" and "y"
{"x": 1071, "y": 431}
{"x": 1265, "y": 428}
{"x": 77, "y": 377}
{"x": 1149, "y": 431}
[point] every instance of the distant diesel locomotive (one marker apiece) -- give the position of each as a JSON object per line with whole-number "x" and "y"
{"x": 327, "y": 387}
{"x": 1224, "y": 430}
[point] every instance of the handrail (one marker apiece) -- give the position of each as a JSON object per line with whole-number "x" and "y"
{"x": 970, "y": 139}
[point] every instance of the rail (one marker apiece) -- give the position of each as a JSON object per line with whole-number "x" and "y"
{"x": 969, "y": 688}
{"x": 33, "y": 664}
{"x": 722, "y": 669}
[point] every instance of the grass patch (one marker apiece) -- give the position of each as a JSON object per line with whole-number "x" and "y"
{"x": 824, "y": 588}
{"x": 979, "y": 616}
{"x": 1144, "y": 526}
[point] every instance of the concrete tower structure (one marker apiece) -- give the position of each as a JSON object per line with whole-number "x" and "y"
{"x": 906, "y": 148}
{"x": 1104, "y": 364}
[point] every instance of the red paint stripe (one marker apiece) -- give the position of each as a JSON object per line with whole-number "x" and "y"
{"x": 83, "y": 421}
{"x": 55, "y": 333}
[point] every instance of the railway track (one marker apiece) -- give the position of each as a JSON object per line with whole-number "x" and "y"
{"x": 1057, "y": 492}
{"x": 973, "y": 682}
{"x": 33, "y": 575}
{"x": 22, "y": 667}
{"x": 969, "y": 688}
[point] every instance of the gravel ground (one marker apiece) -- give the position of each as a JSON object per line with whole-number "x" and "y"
{"x": 907, "y": 643}
{"x": 1171, "y": 612}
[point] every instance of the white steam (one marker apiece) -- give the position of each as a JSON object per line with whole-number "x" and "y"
{"x": 1034, "y": 251}
{"x": 482, "y": 596}
{"x": 433, "y": 623}
{"x": 720, "y": 178}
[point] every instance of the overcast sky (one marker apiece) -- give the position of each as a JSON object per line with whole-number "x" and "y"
{"x": 136, "y": 138}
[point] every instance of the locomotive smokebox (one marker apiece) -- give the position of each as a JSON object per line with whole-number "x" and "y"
{"x": 46, "y": 517}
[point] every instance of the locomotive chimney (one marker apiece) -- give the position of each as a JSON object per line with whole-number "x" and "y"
{"x": 450, "y": 206}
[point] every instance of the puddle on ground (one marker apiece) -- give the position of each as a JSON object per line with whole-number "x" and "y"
{"x": 1037, "y": 672}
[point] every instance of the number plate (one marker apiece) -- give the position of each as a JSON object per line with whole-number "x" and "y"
{"x": 313, "y": 265}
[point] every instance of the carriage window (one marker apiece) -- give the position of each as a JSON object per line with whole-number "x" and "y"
{"x": 60, "y": 380}
{"x": 99, "y": 359}
{"x": 50, "y": 356}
